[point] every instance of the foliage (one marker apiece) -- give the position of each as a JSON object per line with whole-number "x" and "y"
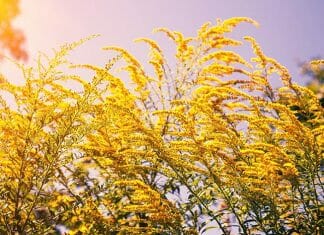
{"x": 205, "y": 144}
{"x": 11, "y": 39}
{"x": 315, "y": 70}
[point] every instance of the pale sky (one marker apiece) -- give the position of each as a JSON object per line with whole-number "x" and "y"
{"x": 290, "y": 30}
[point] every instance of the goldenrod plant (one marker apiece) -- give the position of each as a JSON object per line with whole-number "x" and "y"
{"x": 204, "y": 144}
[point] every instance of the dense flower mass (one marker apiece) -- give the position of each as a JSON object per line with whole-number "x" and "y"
{"x": 204, "y": 143}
